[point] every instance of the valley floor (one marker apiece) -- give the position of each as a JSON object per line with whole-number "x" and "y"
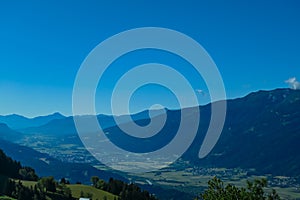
{"x": 181, "y": 176}
{"x": 193, "y": 180}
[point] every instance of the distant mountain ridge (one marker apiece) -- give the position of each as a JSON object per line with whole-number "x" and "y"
{"x": 66, "y": 125}
{"x": 18, "y": 122}
{"x": 261, "y": 132}
{"x": 7, "y": 133}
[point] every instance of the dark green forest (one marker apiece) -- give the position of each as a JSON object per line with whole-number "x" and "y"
{"x": 12, "y": 173}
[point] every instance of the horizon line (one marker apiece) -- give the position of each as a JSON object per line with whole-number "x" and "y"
{"x": 140, "y": 111}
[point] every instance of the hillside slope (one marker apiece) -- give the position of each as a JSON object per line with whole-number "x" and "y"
{"x": 262, "y": 131}
{"x": 48, "y": 166}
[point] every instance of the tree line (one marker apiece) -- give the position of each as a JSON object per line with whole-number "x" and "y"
{"x": 255, "y": 190}
{"x": 124, "y": 190}
{"x": 47, "y": 187}
{"x": 12, "y": 173}
{"x": 11, "y": 170}
{"x": 14, "y": 169}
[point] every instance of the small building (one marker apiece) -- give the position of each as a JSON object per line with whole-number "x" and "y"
{"x": 84, "y": 199}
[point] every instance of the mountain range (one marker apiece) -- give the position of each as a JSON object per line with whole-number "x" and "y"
{"x": 261, "y": 132}
{"x": 16, "y": 122}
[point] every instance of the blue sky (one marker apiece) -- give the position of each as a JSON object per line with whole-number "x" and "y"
{"x": 255, "y": 44}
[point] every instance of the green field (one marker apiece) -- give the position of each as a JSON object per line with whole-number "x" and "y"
{"x": 6, "y": 198}
{"x": 97, "y": 194}
{"x": 77, "y": 189}
{"x": 28, "y": 183}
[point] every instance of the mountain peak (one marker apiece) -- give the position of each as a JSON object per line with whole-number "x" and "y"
{"x": 19, "y": 122}
{"x": 14, "y": 116}
{"x": 56, "y": 115}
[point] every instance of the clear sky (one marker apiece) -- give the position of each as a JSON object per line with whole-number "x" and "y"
{"x": 255, "y": 44}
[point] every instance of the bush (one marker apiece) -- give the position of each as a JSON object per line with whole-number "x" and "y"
{"x": 253, "y": 191}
